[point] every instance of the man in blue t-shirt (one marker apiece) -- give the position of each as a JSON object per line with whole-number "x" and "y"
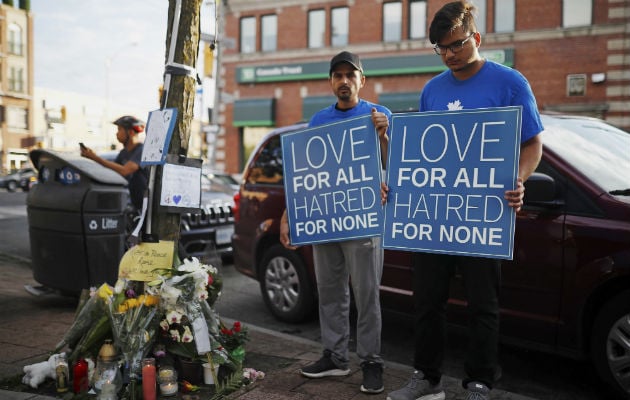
{"x": 127, "y": 163}
{"x": 469, "y": 82}
{"x": 358, "y": 260}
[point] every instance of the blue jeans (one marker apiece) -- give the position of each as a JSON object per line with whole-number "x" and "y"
{"x": 431, "y": 282}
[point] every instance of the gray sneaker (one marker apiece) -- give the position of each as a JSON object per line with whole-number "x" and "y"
{"x": 418, "y": 388}
{"x": 477, "y": 391}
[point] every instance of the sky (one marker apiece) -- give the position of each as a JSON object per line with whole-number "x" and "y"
{"x": 73, "y": 39}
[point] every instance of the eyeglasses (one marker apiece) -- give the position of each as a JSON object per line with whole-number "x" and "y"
{"x": 453, "y": 47}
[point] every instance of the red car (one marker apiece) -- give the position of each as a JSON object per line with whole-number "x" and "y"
{"x": 567, "y": 289}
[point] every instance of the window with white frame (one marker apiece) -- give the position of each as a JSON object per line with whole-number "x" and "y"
{"x": 316, "y": 29}
{"x": 269, "y": 35}
{"x": 339, "y": 26}
{"x": 248, "y": 35}
{"x": 480, "y": 15}
{"x": 15, "y": 40}
{"x": 577, "y": 13}
{"x": 504, "y": 15}
{"x": 417, "y": 19}
{"x": 392, "y": 22}
{"x": 16, "y": 79}
{"x": 17, "y": 117}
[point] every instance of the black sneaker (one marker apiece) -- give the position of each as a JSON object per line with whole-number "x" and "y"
{"x": 323, "y": 367}
{"x": 372, "y": 377}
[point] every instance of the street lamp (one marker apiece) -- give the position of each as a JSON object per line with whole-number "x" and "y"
{"x": 108, "y": 64}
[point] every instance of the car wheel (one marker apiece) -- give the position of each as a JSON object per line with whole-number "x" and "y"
{"x": 11, "y": 186}
{"x": 610, "y": 344}
{"x": 285, "y": 285}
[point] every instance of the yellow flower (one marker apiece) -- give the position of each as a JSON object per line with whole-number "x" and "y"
{"x": 105, "y": 291}
{"x": 132, "y": 303}
{"x": 150, "y": 300}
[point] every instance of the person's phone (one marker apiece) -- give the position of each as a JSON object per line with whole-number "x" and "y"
{"x": 82, "y": 146}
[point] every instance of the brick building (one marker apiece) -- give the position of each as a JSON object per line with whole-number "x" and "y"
{"x": 575, "y": 53}
{"x": 16, "y": 84}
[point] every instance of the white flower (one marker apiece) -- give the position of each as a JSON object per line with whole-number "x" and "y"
{"x": 164, "y": 325}
{"x": 174, "y": 335}
{"x": 187, "y": 336}
{"x": 120, "y": 286}
{"x": 174, "y": 316}
{"x": 169, "y": 295}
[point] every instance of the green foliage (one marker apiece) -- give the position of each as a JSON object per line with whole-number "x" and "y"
{"x": 233, "y": 383}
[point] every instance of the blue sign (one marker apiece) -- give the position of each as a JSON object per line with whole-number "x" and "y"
{"x": 447, "y": 173}
{"x": 332, "y": 178}
{"x": 68, "y": 176}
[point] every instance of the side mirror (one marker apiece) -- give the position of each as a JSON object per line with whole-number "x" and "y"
{"x": 540, "y": 191}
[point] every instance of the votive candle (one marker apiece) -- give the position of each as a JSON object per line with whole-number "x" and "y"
{"x": 148, "y": 379}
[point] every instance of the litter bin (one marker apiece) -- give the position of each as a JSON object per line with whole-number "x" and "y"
{"x": 76, "y": 221}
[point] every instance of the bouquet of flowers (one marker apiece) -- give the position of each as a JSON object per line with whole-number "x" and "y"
{"x": 233, "y": 339}
{"x": 133, "y": 322}
{"x": 188, "y": 322}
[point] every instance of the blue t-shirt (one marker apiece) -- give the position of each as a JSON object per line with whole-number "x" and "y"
{"x": 332, "y": 114}
{"x": 495, "y": 85}
{"x": 138, "y": 181}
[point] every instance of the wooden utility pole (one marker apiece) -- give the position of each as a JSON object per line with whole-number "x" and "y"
{"x": 180, "y": 79}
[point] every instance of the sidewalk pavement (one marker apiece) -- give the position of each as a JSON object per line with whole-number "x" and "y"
{"x": 30, "y": 327}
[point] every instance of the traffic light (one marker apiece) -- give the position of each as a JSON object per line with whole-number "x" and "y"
{"x": 63, "y": 114}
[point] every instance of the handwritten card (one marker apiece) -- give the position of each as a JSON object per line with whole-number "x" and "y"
{"x": 181, "y": 186}
{"x": 160, "y": 125}
{"x": 140, "y": 261}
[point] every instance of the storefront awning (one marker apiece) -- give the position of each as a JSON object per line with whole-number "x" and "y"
{"x": 400, "y": 102}
{"x": 310, "y": 105}
{"x": 254, "y": 112}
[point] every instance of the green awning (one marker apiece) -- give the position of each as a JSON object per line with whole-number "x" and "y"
{"x": 400, "y": 102}
{"x": 310, "y": 105}
{"x": 254, "y": 112}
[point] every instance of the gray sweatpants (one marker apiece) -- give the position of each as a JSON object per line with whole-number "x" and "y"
{"x": 361, "y": 260}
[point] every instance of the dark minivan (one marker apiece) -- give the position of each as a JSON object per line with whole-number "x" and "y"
{"x": 567, "y": 290}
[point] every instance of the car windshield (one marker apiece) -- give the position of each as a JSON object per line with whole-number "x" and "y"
{"x": 596, "y": 149}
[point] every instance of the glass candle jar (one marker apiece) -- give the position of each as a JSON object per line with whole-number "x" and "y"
{"x": 148, "y": 379}
{"x": 107, "y": 372}
{"x": 167, "y": 379}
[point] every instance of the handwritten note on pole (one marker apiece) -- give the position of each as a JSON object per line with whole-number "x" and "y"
{"x": 447, "y": 173}
{"x": 140, "y": 262}
{"x": 181, "y": 186}
{"x": 160, "y": 125}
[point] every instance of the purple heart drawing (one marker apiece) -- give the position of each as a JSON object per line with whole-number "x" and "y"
{"x": 177, "y": 199}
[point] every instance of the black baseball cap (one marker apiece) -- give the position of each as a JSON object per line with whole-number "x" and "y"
{"x": 346, "y": 56}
